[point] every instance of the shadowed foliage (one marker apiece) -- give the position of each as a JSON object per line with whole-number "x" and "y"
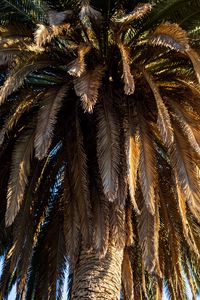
{"x": 100, "y": 146}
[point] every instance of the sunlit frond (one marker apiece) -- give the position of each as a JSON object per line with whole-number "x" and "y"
{"x": 147, "y": 169}
{"x": 129, "y": 84}
{"x": 139, "y": 11}
{"x": 19, "y": 175}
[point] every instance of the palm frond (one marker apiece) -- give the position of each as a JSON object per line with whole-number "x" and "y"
{"x": 28, "y": 10}
{"x": 169, "y": 35}
{"x": 148, "y": 238}
{"x": 77, "y": 66}
{"x": 184, "y": 167}
{"x": 195, "y": 59}
{"x": 100, "y": 219}
{"x": 139, "y": 11}
{"x": 17, "y": 76}
{"x": 186, "y": 125}
{"x": 108, "y": 149}
{"x": 133, "y": 164}
{"x": 77, "y": 162}
{"x": 47, "y": 119}
{"x": 172, "y": 36}
{"x": 20, "y": 109}
{"x": 164, "y": 123}
{"x": 42, "y": 35}
{"x": 19, "y": 175}
{"x": 129, "y": 226}
{"x": 127, "y": 276}
{"x": 117, "y": 225}
{"x": 183, "y": 213}
{"x": 147, "y": 169}
{"x": 87, "y": 87}
{"x": 129, "y": 84}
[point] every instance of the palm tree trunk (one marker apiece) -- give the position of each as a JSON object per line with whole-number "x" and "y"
{"x": 98, "y": 278}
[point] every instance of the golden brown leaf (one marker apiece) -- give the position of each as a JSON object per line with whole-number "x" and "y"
{"x": 195, "y": 59}
{"x": 139, "y": 11}
{"x": 108, "y": 148}
{"x": 127, "y": 276}
{"x": 87, "y": 87}
{"x": 133, "y": 164}
{"x": 149, "y": 237}
{"x": 77, "y": 66}
{"x": 184, "y": 167}
{"x": 169, "y": 35}
{"x": 19, "y": 175}
{"x": 47, "y": 119}
{"x": 164, "y": 123}
{"x": 186, "y": 124}
{"x": 147, "y": 168}
{"x": 129, "y": 84}
{"x": 42, "y": 35}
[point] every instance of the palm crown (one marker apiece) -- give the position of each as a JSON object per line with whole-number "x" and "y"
{"x": 100, "y": 142}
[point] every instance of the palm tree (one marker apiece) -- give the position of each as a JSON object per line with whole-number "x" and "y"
{"x": 100, "y": 148}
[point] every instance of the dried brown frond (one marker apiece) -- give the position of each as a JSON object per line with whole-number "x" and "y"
{"x": 23, "y": 235}
{"x": 187, "y": 125}
{"x": 117, "y": 225}
{"x": 108, "y": 148}
{"x": 59, "y": 29}
{"x": 184, "y": 167}
{"x": 42, "y": 35}
{"x": 129, "y": 226}
{"x": 122, "y": 191}
{"x": 133, "y": 165}
{"x": 147, "y": 167}
{"x": 183, "y": 214}
{"x": 100, "y": 217}
{"x": 139, "y": 11}
{"x": 129, "y": 84}
{"x": 77, "y": 66}
{"x": 47, "y": 118}
{"x": 87, "y": 87}
{"x": 171, "y": 247}
{"x": 19, "y": 175}
{"x": 148, "y": 231}
{"x": 127, "y": 276}
{"x": 164, "y": 123}
{"x": 169, "y": 35}
{"x": 78, "y": 172}
{"x": 195, "y": 59}
{"x": 191, "y": 280}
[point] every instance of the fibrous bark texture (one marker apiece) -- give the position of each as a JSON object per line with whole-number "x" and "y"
{"x": 98, "y": 278}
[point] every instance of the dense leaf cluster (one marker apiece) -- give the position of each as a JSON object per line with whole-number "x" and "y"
{"x": 100, "y": 142}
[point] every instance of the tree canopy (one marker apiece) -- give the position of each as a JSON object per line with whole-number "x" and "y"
{"x": 100, "y": 142}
